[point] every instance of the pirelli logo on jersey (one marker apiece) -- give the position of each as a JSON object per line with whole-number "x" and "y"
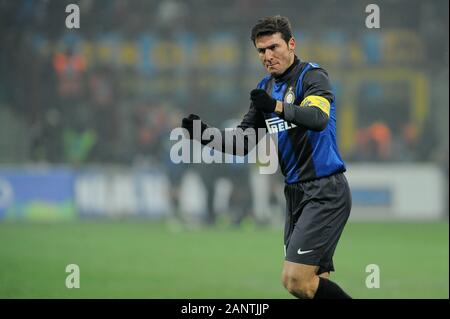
{"x": 275, "y": 125}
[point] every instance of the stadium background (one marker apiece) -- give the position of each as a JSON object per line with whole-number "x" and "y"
{"x": 85, "y": 173}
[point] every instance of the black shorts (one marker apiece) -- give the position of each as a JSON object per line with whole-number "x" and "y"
{"x": 316, "y": 213}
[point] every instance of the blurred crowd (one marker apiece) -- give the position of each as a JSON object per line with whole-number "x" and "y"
{"x": 111, "y": 91}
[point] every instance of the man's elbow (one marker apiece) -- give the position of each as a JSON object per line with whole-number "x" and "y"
{"x": 321, "y": 123}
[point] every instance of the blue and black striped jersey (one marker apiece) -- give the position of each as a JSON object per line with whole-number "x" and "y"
{"x": 304, "y": 154}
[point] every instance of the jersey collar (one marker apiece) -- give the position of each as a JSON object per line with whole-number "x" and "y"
{"x": 288, "y": 73}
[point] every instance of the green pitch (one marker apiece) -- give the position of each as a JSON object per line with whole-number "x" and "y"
{"x": 148, "y": 260}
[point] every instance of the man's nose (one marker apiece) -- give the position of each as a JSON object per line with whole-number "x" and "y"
{"x": 268, "y": 55}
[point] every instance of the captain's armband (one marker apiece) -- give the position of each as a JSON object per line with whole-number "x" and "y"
{"x": 317, "y": 101}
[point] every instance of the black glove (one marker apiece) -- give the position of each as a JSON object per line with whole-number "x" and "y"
{"x": 262, "y": 101}
{"x": 188, "y": 124}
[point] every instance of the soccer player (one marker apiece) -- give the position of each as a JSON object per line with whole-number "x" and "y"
{"x": 295, "y": 101}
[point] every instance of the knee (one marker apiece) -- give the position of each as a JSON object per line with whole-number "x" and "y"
{"x": 299, "y": 286}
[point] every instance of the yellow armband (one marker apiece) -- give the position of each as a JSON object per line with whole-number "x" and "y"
{"x": 317, "y": 101}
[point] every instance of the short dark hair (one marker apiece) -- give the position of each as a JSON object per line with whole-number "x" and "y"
{"x": 271, "y": 25}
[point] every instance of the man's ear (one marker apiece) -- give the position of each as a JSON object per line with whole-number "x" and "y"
{"x": 291, "y": 44}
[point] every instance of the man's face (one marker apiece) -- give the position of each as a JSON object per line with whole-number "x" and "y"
{"x": 275, "y": 54}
